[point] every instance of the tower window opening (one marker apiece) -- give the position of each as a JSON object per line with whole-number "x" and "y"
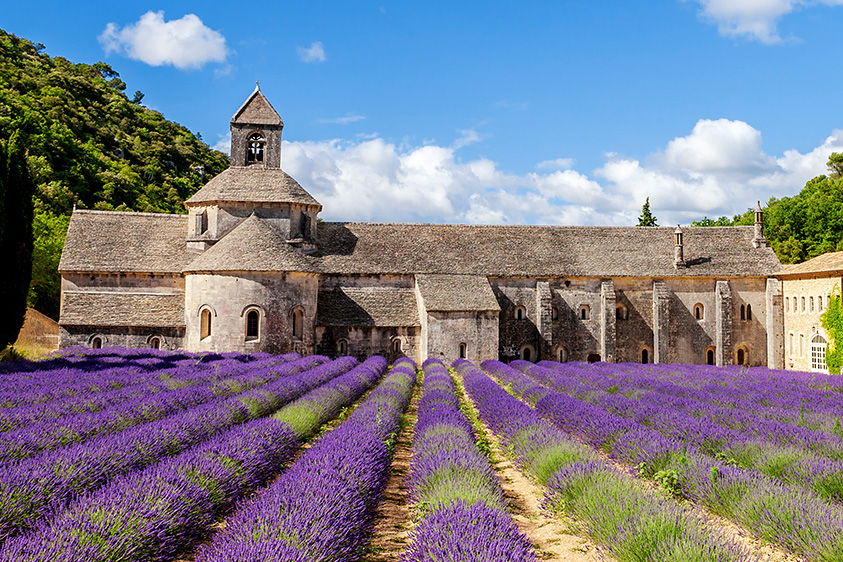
{"x": 255, "y": 148}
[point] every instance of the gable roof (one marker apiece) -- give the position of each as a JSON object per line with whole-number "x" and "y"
{"x": 111, "y": 241}
{"x": 456, "y": 293}
{"x": 367, "y": 306}
{"x": 829, "y": 263}
{"x": 112, "y": 308}
{"x": 257, "y": 110}
{"x": 253, "y": 184}
{"x": 539, "y": 251}
{"x": 254, "y": 245}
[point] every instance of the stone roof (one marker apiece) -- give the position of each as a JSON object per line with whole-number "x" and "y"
{"x": 108, "y": 241}
{"x": 830, "y": 263}
{"x": 112, "y": 308}
{"x": 257, "y": 110}
{"x": 254, "y": 245}
{"x": 367, "y": 306}
{"x": 539, "y": 251}
{"x": 456, "y": 292}
{"x": 253, "y": 184}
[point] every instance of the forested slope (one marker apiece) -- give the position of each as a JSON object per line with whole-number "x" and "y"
{"x": 91, "y": 146}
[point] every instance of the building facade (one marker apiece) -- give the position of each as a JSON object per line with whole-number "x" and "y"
{"x": 251, "y": 268}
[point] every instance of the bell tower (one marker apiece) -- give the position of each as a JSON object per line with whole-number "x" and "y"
{"x": 256, "y": 133}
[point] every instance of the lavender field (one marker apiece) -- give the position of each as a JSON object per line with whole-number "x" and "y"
{"x": 136, "y": 455}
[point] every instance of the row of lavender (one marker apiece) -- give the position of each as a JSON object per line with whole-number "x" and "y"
{"x": 786, "y": 452}
{"x": 790, "y": 516}
{"x": 464, "y": 509}
{"x": 618, "y": 511}
{"x": 34, "y": 487}
{"x": 158, "y": 512}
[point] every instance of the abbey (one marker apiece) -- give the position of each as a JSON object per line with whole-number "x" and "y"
{"x": 251, "y": 268}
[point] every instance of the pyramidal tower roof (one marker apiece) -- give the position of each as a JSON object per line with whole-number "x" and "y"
{"x": 257, "y": 110}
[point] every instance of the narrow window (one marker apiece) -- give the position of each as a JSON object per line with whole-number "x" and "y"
{"x": 563, "y": 355}
{"x": 743, "y": 312}
{"x": 803, "y": 304}
{"x": 155, "y": 343}
{"x": 255, "y": 147}
{"x": 787, "y": 304}
{"x": 96, "y": 343}
{"x": 820, "y": 302}
{"x": 645, "y": 355}
{"x": 462, "y": 351}
{"x": 520, "y": 313}
{"x": 397, "y": 346}
{"x": 741, "y": 357}
{"x": 621, "y": 311}
{"x": 790, "y": 343}
{"x": 585, "y": 312}
{"x": 811, "y": 303}
{"x": 554, "y": 313}
{"x": 749, "y": 312}
{"x": 801, "y": 345}
{"x": 342, "y": 347}
{"x": 699, "y": 311}
{"x": 252, "y": 325}
{"x": 205, "y": 324}
{"x": 298, "y": 316}
{"x": 709, "y": 356}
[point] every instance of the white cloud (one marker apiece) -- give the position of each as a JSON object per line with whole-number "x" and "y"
{"x": 754, "y": 19}
{"x": 556, "y": 164}
{"x": 719, "y": 168}
{"x": 349, "y": 118}
{"x": 314, "y": 53}
{"x": 184, "y": 43}
{"x": 224, "y": 144}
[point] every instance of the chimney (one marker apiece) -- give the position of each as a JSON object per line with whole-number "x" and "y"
{"x": 678, "y": 253}
{"x": 758, "y": 240}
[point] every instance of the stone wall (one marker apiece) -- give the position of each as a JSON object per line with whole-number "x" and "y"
{"x": 230, "y": 296}
{"x": 800, "y": 326}
{"x": 362, "y": 342}
{"x": 171, "y": 339}
{"x": 447, "y": 330}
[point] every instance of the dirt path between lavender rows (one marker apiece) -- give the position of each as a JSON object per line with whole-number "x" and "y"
{"x": 552, "y": 535}
{"x": 393, "y": 518}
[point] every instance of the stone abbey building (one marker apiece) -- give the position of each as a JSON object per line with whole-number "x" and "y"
{"x": 250, "y": 268}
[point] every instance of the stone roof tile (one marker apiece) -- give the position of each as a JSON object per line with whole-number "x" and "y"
{"x": 367, "y": 306}
{"x": 257, "y": 110}
{"x": 831, "y": 262}
{"x": 112, "y": 308}
{"x": 253, "y": 184}
{"x": 456, "y": 293}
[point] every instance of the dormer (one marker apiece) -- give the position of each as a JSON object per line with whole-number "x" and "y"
{"x": 256, "y": 133}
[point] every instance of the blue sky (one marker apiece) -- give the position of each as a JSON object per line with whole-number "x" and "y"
{"x": 493, "y": 112}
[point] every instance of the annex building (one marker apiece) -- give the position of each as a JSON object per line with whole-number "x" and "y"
{"x": 251, "y": 268}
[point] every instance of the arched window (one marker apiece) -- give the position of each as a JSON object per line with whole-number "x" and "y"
{"x": 699, "y": 311}
{"x": 204, "y": 323}
{"x": 621, "y": 311}
{"x": 818, "y": 347}
{"x": 803, "y": 304}
{"x": 527, "y": 352}
{"x": 787, "y": 304}
{"x": 801, "y": 345}
{"x": 741, "y": 356}
{"x": 462, "y": 351}
{"x": 585, "y": 312}
{"x": 397, "y": 346}
{"x": 520, "y": 313}
{"x": 554, "y": 313}
{"x": 709, "y": 356}
{"x": 255, "y": 148}
{"x": 297, "y": 322}
{"x": 749, "y": 312}
{"x": 790, "y": 349}
{"x": 342, "y": 347}
{"x": 820, "y": 303}
{"x": 562, "y": 354}
{"x": 811, "y": 304}
{"x": 96, "y": 343}
{"x": 743, "y": 312}
{"x": 253, "y": 320}
{"x": 646, "y": 355}
{"x": 155, "y": 343}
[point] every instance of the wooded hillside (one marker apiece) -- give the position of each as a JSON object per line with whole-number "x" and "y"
{"x": 91, "y": 146}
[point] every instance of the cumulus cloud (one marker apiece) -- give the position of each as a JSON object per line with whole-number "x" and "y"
{"x": 183, "y": 43}
{"x": 754, "y": 19}
{"x": 719, "y": 168}
{"x": 312, "y": 54}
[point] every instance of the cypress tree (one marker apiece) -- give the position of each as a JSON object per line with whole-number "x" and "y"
{"x": 646, "y": 218}
{"x": 16, "y": 189}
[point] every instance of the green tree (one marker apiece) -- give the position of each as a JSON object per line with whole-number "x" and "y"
{"x": 16, "y": 189}
{"x": 835, "y": 164}
{"x": 48, "y": 231}
{"x": 832, "y": 321}
{"x": 647, "y": 218}
{"x": 705, "y": 221}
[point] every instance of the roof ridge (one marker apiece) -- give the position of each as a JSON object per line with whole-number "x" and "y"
{"x": 124, "y": 213}
{"x": 526, "y": 226}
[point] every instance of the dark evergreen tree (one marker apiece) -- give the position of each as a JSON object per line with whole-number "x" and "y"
{"x": 647, "y": 218}
{"x": 16, "y": 190}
